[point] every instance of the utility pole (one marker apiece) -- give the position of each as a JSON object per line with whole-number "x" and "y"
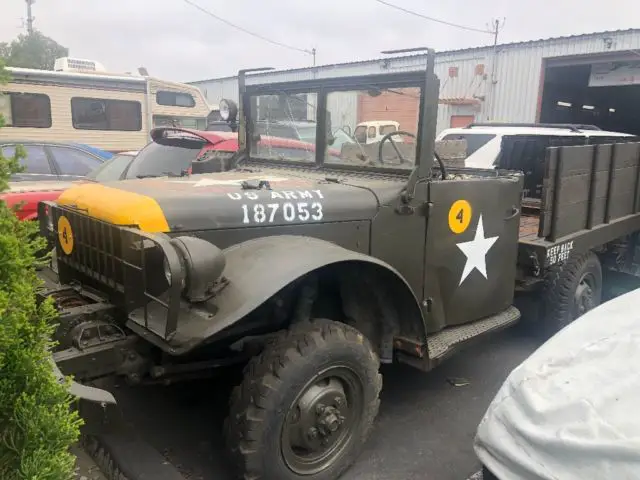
{"x": 496, "y": 26}
{"x": 313, "y": 52}
{"x": 30, "y": 16}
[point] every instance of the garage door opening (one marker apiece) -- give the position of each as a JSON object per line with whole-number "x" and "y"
{"x": 603, "y": 94}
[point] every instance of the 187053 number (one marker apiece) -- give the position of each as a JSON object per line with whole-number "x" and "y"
{"x": 289, "y": 212}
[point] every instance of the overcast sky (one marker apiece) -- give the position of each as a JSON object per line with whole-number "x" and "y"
{"x": 177, "y": 42}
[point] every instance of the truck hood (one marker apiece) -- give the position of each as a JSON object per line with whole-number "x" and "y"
{"x": 218, "y": 201}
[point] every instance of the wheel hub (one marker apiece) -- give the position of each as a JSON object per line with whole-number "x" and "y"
{"x": 583, "y": 298}
{"x": 318, "y": 416}
{"x": 319, "y": 424}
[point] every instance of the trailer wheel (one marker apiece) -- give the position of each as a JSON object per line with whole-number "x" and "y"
{"x": 571, "y": 290}
{"x": 306, "y": 404}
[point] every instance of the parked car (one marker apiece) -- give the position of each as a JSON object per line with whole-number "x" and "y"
{"x": 53, "y": 161}
{"x": 113, "y": 168}
{"x": 105, "y": 154}
{"x": 569, "y": 410}
{"x": 50, "y": 168}
{"x": 173, "y": 151}
{"x": 295, "y": 130}
{"x": 485, "y": 140}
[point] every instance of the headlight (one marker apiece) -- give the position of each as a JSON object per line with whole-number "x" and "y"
{"x": 204, "y": 264}
{"x": 224, "y": 109}
{"x": 228, "y": 110}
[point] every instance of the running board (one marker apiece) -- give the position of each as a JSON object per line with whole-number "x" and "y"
{"x": 447, "y": 341}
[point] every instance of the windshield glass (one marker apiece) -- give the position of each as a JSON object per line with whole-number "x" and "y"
{"x": 277, "y": 126}
{"x": 165, "y": 157}
{"x": 306, "y": 133}
{"x": 284, "y": 127}
{"x": 111, "y": 169}
{"x": 371, "y": 115}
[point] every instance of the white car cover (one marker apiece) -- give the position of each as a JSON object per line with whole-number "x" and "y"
{"x": 572, "y": 409}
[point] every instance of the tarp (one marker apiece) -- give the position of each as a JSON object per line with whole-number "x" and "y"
{"x": 572, "y": 409}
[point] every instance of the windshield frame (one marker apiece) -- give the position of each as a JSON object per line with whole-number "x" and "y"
{"x": 425, "y": 80}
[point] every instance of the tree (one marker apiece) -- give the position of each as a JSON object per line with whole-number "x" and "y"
{"x": 37, "y": 424}
{"x": 35, "y": 50}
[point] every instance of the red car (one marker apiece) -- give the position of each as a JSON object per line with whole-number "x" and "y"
{"x": 30, "y": 193}
{"x": 171, "y": 152}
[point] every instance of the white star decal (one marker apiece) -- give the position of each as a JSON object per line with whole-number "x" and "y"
{"x": 476, "y": 252}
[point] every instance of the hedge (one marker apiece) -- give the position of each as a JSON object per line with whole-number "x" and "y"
{"x": 37, "y": 423}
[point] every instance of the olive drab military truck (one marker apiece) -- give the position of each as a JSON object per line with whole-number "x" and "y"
{"x": 314, "y": 264}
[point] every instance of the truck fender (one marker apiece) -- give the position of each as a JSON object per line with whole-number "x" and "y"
{"x": 260, "y": 268}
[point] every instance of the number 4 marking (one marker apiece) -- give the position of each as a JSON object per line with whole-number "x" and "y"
{"x": 459, "y": 216}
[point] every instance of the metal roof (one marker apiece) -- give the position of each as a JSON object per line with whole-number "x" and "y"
{"x": 75, "y": 75}
{"x": 500, "y": 46}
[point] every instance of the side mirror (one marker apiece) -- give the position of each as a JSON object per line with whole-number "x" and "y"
{"x": 347, "y": 130}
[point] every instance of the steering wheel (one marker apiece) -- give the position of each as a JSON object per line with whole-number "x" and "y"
{"x": 402, "y": 159}
{"x": 387, "y": 137}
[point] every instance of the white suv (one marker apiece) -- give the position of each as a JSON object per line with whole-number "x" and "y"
{"x": 484, "y": 140}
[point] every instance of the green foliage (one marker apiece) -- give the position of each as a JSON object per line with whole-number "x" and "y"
{"x": 37, "y": 424}
{"x": 32, "y": 51}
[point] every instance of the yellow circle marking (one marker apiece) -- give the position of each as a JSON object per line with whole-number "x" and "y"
{"x": 65, "y": 235}
{"x": 460, "y": 216}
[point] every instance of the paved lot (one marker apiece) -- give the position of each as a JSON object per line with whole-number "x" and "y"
{"x": 424, "y": 431}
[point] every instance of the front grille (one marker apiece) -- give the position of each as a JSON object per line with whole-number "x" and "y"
{"x": 95, "y": 249}
{"x": 125, "y": 263}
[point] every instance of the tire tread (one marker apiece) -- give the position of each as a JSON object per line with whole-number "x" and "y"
{"x": 262, "y": 376}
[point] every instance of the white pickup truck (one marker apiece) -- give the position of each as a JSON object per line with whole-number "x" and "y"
{"x": 484, "y": 140}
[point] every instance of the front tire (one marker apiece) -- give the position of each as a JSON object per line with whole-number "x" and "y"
{"x": 306, "y": 404}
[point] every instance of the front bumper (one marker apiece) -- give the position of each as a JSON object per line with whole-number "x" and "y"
{"x": 85, "y": 392}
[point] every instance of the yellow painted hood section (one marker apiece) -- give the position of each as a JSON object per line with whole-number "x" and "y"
{"x": 116, "y": 206}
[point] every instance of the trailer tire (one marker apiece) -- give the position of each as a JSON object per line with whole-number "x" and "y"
{"x": 570, "y": 290}
{"x": 306, "y": 404}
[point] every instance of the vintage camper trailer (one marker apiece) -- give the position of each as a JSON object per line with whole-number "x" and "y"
{"x": 80, "y": 102}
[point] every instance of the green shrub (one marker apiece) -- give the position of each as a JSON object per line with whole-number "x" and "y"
{"x": 37, "y": 424}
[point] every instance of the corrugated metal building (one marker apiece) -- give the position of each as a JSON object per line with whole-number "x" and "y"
{"x": 507, "y": 83}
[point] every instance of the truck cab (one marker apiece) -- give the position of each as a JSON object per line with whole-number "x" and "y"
{"x": 373, "y": 131}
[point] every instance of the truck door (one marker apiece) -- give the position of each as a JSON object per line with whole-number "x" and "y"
{"x": 472, "y": 248}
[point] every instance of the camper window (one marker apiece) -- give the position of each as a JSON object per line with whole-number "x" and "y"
{"x": 175, "y": 99}
{"x": 102, "y": 114}
{"x": 25, "y": 109}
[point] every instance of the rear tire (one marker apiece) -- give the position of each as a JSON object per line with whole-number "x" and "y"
{"x": 571, "y": 290}
{"x": 306, "y": 404}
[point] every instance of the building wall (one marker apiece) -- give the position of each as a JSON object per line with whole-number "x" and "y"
{"x": 391, "y": 106}
{"x": 507, "y": 89}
